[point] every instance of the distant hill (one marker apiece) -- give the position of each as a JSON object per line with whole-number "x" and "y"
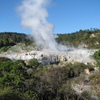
{"x": 87, "y": 38}
{"x": 12, "y": 38}
{"x": 9, "y": 39}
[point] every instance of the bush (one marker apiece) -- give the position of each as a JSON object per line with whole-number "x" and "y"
{"x": 7, "y": 93}
{"x": 33, "y": 62}
{"x": 86, "y": 95}
{"x": 97, "y": 55}
{"x": 3, "y": 59}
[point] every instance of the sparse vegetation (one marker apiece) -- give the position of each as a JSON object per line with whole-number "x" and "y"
{"x": 86, "y": 38}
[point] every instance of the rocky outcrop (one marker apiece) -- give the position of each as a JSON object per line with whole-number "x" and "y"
{"x": 92, "y": 35}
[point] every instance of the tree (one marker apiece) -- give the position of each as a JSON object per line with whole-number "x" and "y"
{"x": 33, "y": 62}
{"x": 97, "y": 55}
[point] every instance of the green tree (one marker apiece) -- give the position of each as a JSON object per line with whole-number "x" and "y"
{"x": 97, "y": 55}
{"x": 33, "y": 62}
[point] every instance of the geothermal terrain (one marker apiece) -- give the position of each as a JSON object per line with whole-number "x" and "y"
{"x": 53, "y": 57}
{"x": 53, "y": 67}
{"x": 19, "y": 46}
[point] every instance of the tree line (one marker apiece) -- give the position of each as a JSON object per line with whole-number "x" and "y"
{"x": 81, "y": 37}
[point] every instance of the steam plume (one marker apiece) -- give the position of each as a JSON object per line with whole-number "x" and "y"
{"x": 34, "y": 14}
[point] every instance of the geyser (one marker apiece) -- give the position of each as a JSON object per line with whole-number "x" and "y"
{"x": 33, "y": 14}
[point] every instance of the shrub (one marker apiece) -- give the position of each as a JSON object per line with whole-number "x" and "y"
{"x": 33, "y": 62}
{"x": 97, "y": 55}
{"x": 7, "y": 93}
{"x": 3, "y": 59}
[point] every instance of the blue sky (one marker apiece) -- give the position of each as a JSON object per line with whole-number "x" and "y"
{"x": 66, "y": 15}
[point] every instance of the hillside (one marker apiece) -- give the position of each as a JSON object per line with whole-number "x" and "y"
{"x": 10, "y": 39}
{"x": 29, "y": 80}
{"x": 87, "y": 38}
{"x": 60, "y": 79}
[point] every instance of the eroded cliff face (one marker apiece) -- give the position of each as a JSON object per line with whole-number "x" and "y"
{"x": 46, "y": 57}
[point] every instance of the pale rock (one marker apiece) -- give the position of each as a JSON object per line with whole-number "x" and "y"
{"x": 54, "y": 57}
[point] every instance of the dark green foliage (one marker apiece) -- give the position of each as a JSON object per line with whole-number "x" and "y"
{"x": 87, "y": 95}
{"x": 11, "y": 72}
{"x": 48, "y": 83}
{"x": 33, "y": 62}
{"x": 97, "y": 55}
{"x": 55, "y": 83}
{"x": 75, "y": 69}
{"x": 3, "y": 59}
{"x": 8, "y": 39}
{"x": 7, "y": 93}
{"x": 4, "y": 48}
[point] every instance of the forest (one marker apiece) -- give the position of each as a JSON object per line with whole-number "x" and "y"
{"x": 9, "y": 39}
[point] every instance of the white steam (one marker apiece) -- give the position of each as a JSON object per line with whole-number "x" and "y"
{"x": 33, "y": 14}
